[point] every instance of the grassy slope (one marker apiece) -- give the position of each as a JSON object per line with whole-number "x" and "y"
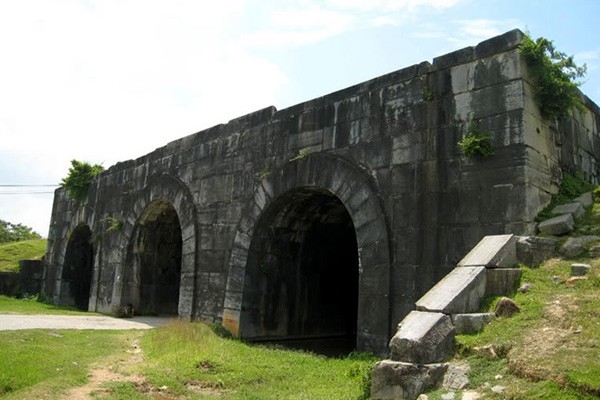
{"x": 551, "y": 349}
{"x": 11, "y": 305}
{"x": 40, "y": 363}
{"x": 183, "y": 355}
{"x": 11, "y": 253}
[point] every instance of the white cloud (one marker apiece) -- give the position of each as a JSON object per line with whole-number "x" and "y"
{"x": 115, "y": 80}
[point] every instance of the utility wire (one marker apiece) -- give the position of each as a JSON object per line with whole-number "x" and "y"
{"x": 29, "y": 185}
{"x": 17, "y": 193}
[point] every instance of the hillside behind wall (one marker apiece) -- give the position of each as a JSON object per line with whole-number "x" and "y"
{"x": 386, "y": 150}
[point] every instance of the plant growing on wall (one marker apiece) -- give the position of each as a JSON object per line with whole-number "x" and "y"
{"x": 476, "y": 143}
{"x": 555, "y": 76}
{"x": 79, "y": 178}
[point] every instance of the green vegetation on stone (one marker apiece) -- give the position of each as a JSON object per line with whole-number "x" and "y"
{"x": 12, "y": 253}
{"x": 79, "y": 178}
{"x": 475, "y": 143}
{"x": 572, "y": 186}
{"x": 554, "y": 74}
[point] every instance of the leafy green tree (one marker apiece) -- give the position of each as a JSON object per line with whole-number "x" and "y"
{"x": 79, "y": 178}
{"x": 16, "y": 232}
{"x": 555, "y": 76}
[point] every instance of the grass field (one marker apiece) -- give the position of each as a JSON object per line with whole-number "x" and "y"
{"x": 11, "y": 253}
{"x": 33, "y": 306}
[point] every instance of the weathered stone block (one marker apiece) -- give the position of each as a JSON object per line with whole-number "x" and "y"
{"x": 501, "y": 281}
{"x": 492, "y": 251}
{"x": 392, "y": 380}
{"x": 557, "y": 225}
{"x": 575, "y": 209}
{"x": 575, "y": 246}
{"x": 580, "y": 269}
{"x": 585, "y": 199}
{"x": 458, "y": 292}
{"x": 471, "y": 323}
{"x": 595, "y": 251}
{"x": 532, "y": 250}
{"x": 423, "y": 338}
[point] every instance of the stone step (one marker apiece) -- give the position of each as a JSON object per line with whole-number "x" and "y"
{"x": 423, "y": 338}
{"x": 458, "y": 292}
{"x": 471, "y": 323}
{"x": 501, "y": 281}
{"x": 494, "y": 251}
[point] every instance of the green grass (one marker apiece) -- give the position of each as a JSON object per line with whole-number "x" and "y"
{"x": 552, "y": 346}
{"x": 192, "y": 361}
{"x": 11, "y": 253}
{"x": 44, "y": 363}
{"x": 32, "y": 306}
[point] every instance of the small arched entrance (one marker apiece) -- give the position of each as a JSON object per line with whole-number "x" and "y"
{"x": 77, "y": 269}
{"x": 302, "y": 274}
{"x": 152, "y": 273}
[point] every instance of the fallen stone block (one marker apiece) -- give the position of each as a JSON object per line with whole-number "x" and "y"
{"x": 423, "y": 338}
{"x": 585, "y": 199}
{"x": 471, "y": 323}
{"x": 506, "y": 307}
{"x": 494, "y": 251}
{"x": 580, "y": 269}
{"x": 458, "y": 292}
{"x": 456, "y": 376}
{"x": 557, "y": 225}
{"x": 533, "y": 250}
{"x": 501, "y": 281}
{"x": 575, "y": 209}
{"x": 595, "y": 251}
{"x": 392, "y": 380}
{"x": 576, "y": 245}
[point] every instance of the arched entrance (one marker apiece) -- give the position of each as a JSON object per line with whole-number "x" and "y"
{"x": 322, "y": 179}
{"x": 152, "y": 273}
{"x": 77, "y": 269}
{"x": 303, "y": 270}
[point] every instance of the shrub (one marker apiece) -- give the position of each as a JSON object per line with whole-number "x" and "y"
{"x": 79, "y": 178}
{"x": 554, "y": 74}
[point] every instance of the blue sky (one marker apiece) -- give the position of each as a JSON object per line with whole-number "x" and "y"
{"x": 106, "y": 81}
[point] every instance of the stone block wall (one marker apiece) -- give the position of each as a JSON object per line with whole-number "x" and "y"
{"x": 386, "y": 149}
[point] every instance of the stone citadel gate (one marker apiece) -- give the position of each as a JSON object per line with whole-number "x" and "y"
{"x": 328, "y": 218}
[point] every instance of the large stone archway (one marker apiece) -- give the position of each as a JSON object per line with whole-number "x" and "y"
{"x": 330, "y": 186}
{"x": 163, "y": 214}
{"x": 152, "y": 277}
{"x": 76, "y": 274}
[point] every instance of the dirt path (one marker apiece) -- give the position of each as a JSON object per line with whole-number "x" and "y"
{"x": 114, "y": 372}
{"x": 27, "y": 321}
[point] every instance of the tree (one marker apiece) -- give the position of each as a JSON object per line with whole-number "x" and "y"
{"x": 16, "y": 232}
{"x": 79, "y": 178}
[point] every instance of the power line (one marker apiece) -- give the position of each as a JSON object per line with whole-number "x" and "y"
{"x": 17, "y": 193}
{"x": 29, "y": 185}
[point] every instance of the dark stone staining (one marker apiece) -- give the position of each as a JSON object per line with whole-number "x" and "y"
{"x": 153, "y": 271}
{"x": 78, "y": 266}
{"x": 302, "y": 273}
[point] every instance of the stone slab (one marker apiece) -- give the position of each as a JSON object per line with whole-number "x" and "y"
{"x": 575, "y": 209}
{"x": 392, "y": 380}
{"x": 586, "y": 199}
{"x": 557, "y": 225}
{"x": 501, "y": 281}
{"x": 491, "y": 252}
{"x": 423, "y": 338}
{"x": 458, "y": 292}
{"x": 575, "y": 246}
{"x": 471, "y": 323}
{"x": 580, "y": 269}
{"x": 533, "y": 250}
